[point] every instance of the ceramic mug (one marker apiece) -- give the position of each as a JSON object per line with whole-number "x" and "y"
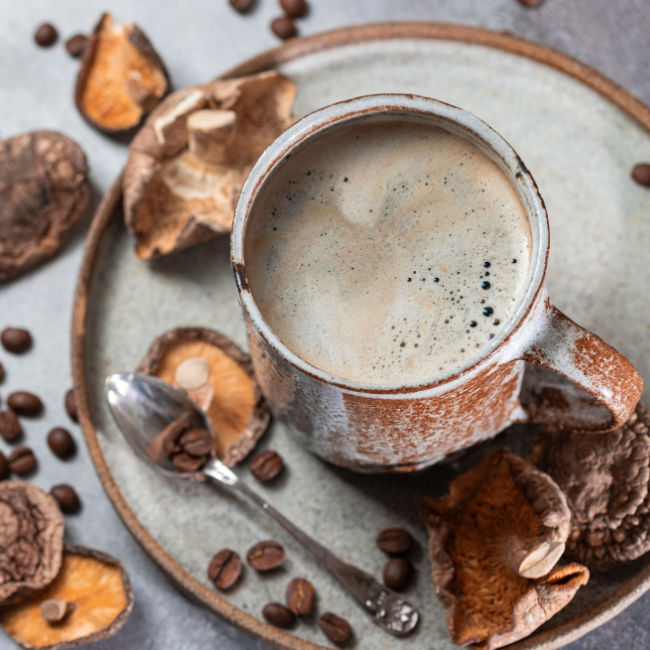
{"x": 541, "y": 367}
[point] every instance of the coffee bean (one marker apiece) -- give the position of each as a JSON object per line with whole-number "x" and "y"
{"x": 71, "y": 405}
{"x": 242, "y": 6}
{"x": 284, "y": 28}
{"x": 394, "y": 541}
{"x": 531, "y": 3}
{"x": 397, "y": 573}
{"x": 61, "y": 443}
{"x": 641, "y": 174}
{"x": 279, "y": 615}
{"x": 45, "y": 35}
{"x": 22, "y": 461}
{"x": 300, "y": 596}
{"x": 185, "y": 463}
{"x": 25, "y": 403}
{"x": 266, "y": 466}
{"x": 335, "y": 628}
{"x": 67, "y": 498}
{"x": 4, "y": 467}
{"x": 196, "y": 442}
{"x": 294, "y": 8}
{"x": 9, "y": 426}
{"x": 76, "y": 45}
{"x": 225, "y": 569}
{"x": 2, "y": 372}
{"x": 266, "y": 555}
{"x": 15, "y": 339}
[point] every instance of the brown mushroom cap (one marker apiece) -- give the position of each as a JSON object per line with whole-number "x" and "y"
{"x": 44, "y": 190}
{"x": 99, "y": 599}
{"x": 121, "y": 78}
{"x": 502, "y": 520}
{"x": 31, "y": 540}
{"x": 238, "y": 412}
{"x": 185, "y": 171}
{"x": 605, "y": 477}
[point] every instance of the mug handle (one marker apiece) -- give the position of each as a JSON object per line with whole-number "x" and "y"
{"x": 603, "y": 387}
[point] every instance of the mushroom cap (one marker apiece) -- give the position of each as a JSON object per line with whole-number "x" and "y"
{"x": 605, "y": 477}
{"x": 44, "y": 191}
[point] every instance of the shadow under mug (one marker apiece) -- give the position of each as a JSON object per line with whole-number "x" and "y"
{"x": 542, "y": 367}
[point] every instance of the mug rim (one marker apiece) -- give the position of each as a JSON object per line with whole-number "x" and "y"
{"x": 338, "y": 113}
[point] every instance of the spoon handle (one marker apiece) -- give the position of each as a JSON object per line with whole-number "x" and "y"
{"x": 387, "y": 608}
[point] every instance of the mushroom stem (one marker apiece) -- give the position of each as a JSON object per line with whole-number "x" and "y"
{"x": 532, "y": 558}
{"x": 193, "y": 377}
{"x": 55, "y": 610}
{"x": 209, "y": 132}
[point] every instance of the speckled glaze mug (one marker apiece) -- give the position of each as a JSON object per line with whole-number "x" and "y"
{"x": 541, "y": 367}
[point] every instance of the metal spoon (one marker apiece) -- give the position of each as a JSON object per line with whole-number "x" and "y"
{"x": 142, "y": 406}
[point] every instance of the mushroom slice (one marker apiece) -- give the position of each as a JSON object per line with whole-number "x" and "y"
{"x": 218, "y": 375}
{"x": 189, "y": 161}
{"x": 89, "y": 600}
{"x": 121, "y": 78}
{"x": 44, "y": 191}
{"x": 605, "y": 478}
{"x": 31, "y": 540}
{"x": 494, "y": 542}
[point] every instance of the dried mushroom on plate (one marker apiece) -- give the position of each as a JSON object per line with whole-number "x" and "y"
{"x": 218, "y": 375}
{"x": 89, "y": 600}
{"x": 44, "y": 191}
{"x": 31, "y": 540}
{"x": 121, "y": 78}
{"x": 189, "y": 161}
{"x": 605, "y": 477}
{"x": 502, "y": 521}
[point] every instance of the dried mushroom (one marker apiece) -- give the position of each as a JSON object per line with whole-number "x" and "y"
{"x": 89, "y": 600}
{"x": 44, "y": 191}
{"x": 494, "y": 541}
{"x": 218, "y": 375}
{"x": 189, "y": 161}
{"x": 605, "y": 477}
{"x": 31, "y": 540}
{"x": 121, "y": 78}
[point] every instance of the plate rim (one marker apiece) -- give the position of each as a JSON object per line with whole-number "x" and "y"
{"x": 565, "y": 633}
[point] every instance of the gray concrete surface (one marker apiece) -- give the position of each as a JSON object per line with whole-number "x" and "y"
{"x": 198, "y": 39}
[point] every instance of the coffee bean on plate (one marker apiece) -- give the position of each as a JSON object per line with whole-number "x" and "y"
{"x": 22, "y": 461}
{"x": 45, "y": 35}
{"x": 397, "y": 573}
{"x": 266, "y": 555}
{"x": 4, "y": 467}
{"x": 300, "y": 596}
{"x": 394, "y": 541}
{"x": 225, "y": 569}
{"x": 16, "y": 339}
{"x": 25, "y": 403}
{"x": 335, "y": 628}
{"x": 76, "y": 45}
{"x": 284, "y": 28}
{"x": 279, "y": 615}
{"x": 266, "y": 466}
{"x": 294, "y": 8}
{"x": 9, "y": 426}
{"x": 71, "y": 405}
{"x": 67, "y": 498}
{"x": 641, "y": 174}
{"x": 61, "y": 443}
{"x": 242, "y": 6}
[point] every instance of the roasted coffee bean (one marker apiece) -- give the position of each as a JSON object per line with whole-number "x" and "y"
{"x": 266, "y": 555}
{"x": 25, "y": 403}
{"x": 185, "y": 463}
{"x": 394, "y": 541}
{"x": 67, "y": 498}
{"x": 641, "y": 174}
{"x": 22, "y": 461}
{"x": 61, "y": 443}
{"x": 76, "y": 45}
{"x": 397, "y": 573}
{"x": 196, "y": 442}
{"x": 71, "y": 405}
{"x": 279, "y": 615}
{"x": 16, "y": 339}
{"x": 4, "y": 467}
{"x": 335, "y": 628}
{"x": 2, "y": 372}
{"x": 300, "y": 597}
{"x": 225, "y": 569}
{"x": 284, "y": 28}
{"x": 10, "y": 426}
{"x": 531, "y": 3}
{"x": 242, "y": 6}
{"x": 45, "y": 35}
{"x": 294, "y": 8}
{"x": 266, "y": 466}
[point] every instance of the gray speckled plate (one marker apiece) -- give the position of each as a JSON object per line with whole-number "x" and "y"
{"x": 577, "y": 132}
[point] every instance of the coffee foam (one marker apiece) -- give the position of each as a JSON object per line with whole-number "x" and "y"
{"x": 383, "y": 253}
